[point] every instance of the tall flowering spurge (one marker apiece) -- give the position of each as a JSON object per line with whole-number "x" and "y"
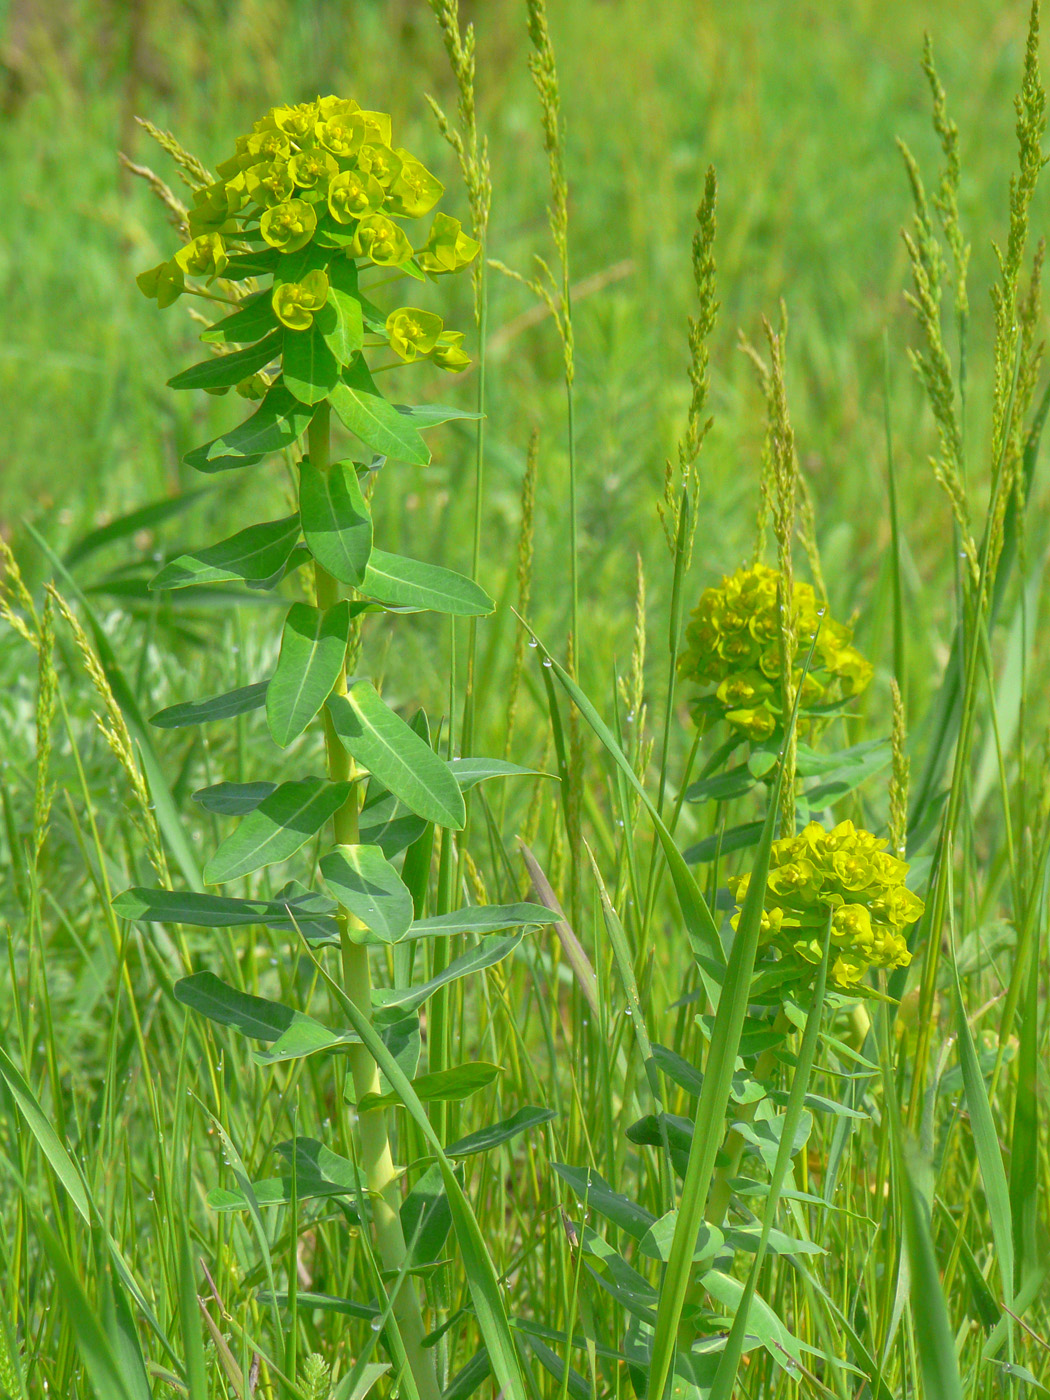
{"x": 313, "y": 201}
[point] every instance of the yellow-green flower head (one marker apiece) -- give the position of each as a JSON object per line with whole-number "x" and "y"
{"x": 295, "y": 121}
{"x": 164, "y": 283}
{"x": 847, "y": 873}
{"x": 203, "y": 257}
{"x": 381, "y": 162}
{"x": 289, "y": 226}
{"x": 213, "y": 208}
{"x": 269, "y": 183}
{"x": 380, "y": 239}
{"x": 415, "y": 191}
{"x": 353, "y": 194}
{"x": 413, "y": 333}
{"x": 313, "y": 169}
{"x": 447, "y": 248}
{"x": 294, "y": 303}
{"x": 341, "y": 135}
{"x": 733, "y": 644}
{"x": 266, "y": 146}
{"x": 449, "y": 354}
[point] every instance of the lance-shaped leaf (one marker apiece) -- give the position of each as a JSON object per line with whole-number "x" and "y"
{"x": 429, "y": 415}
{"x": 232, "y": 799}
{"x": 392, "y": 1002}
{"x": 234, "y": 702}
{"x": 442, "y": 1086}
{"x": 276, "y": 423}
{"x": 364, "y": 881}
{"x": 287, "y": 819}
{"x": 471, "y": 771}
{"x": 342, "y": 325}
{"x": 307, "y": 913}
{"x": 375, "y": 420}
{"x": 335, "y": 519}
{"x": 255, "y": 318}
{"x": 310, "y": 369}
{"x": 221, "y": 371}
{"x": 257, "y": 264}
{"x": 384, "y": 744}
{"x": 481, "y": 919}
{"x": 256, "y": 555}
{"x": 319, "y": 1173}
{"x": 401, "y": 582}
{"x": 290, "y": 1034}
{"x": 485, "y": 1139}
{"x": 313, "y": 648}
{"x": 387, "y": 823}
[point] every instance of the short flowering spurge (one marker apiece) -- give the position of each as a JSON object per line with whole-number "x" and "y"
{"x": 845, "y": 872}
{"x": 733, "y": 644}
{"x": 313, "y": 195}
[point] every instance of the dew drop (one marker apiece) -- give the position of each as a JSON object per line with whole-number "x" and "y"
{"x": 546, "y": 661}
{"x": 533, "y": 642}
{"x": 376, "y": 1324}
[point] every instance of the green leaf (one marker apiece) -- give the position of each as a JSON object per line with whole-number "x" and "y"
{"x": 723, "y": 787}
{"x": 256, "y": 555}
{"x": 429, "y": 415}
{"x": 364, "y": 881}
{"x": 443, "y": 1086}
{"x": 258, "y": 264}
{"x": 319, "y": 1173}
{"x": 373, "y": 419}
{"x": 310, "y": 369}
{"x": 933, "y": 1331}
{"x": 485, "y": 1139}
{"x": 387, "y": 823}
{"x": 737, "y": 838}
{"x": 426, "y": 1218}
{"x": 471, "y": 771}
{"x": 342, "y": 325}
{"x": 232, "y": 799}
{"x": 403, "y": 762}
{"x": 335, "y": 519}
{"x": 855, "y": 766}
{"x": 235, "y": 702}
{"x": 145, "y": 518}
{"x": 287, "y": 819}
{"x": 255, "y": 318}
{"x": 591, "y": 1188}
{"x": 313, "y": 649}
{"x": 221, "y": 371}
{"x": 480, "y": 919}
{"x": 309, "y": 913}
{"x": 278, "y": 421}
{"x": 400, "y": 582}
{"x": 656, "y": 1242}
{"x": 388, "y": 1000}
{"x": 290, "y": 1034}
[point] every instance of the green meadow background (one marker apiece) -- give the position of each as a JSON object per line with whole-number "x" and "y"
{"x": 797, "y": 105}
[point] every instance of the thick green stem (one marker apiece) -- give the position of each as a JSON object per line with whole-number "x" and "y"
{"x": 374, "y": 1150}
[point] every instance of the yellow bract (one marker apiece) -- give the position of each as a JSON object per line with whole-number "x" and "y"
{"x": 294, "y": 303}
{"x": 204, "y": 256}
{"x": 413, "y": 333}
{"x": 380, "y": 239}
{"x": 848, "y": 874}
{"x": 353, "y": 194}
{"x": 289, "y": 226}
{"x": 447, "y": 248}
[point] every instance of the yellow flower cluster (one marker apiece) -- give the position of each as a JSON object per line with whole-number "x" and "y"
{"x": 321, "y": 175}
{"x": 850, "y": 874}
{"x": 733, "y": 643}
